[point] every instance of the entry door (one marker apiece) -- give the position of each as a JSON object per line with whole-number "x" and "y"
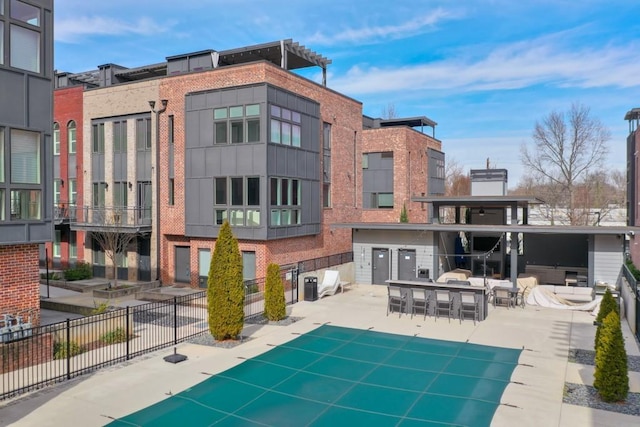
{"x": 144, "y": 259}
{"x": 182, "y": 265}
{"x": 406, "y": 264}
{"x": 380, "y": 265}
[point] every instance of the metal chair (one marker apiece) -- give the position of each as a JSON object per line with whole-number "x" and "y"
{"x": 444, "y": 303}
{"x": 420, "y": 300}
{"x": 469, "y": 304}
{"x": 502, "y": 296}
{"x": 396, "y": 300}
{"x": 521, "y": 298}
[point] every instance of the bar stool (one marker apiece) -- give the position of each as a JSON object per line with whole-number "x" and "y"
{"x": 420, "y": 300}
{"x": 397, "y": 300}
{"x": 469, "y": 305}
{"x": 444, "y": 303}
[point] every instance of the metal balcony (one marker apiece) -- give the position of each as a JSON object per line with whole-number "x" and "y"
{"x": 121, "y": 219}
{"x": 63, "y": 213}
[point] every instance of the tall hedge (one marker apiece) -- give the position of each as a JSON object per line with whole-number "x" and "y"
{"x": 611, "y": 373}
{"x": 607, "y": 305}
{"x": 225, "y": 289}
{"x": 274, "y": 303}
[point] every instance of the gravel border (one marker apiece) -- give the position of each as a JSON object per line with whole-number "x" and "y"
{"x": 207, "y": 339}
{"x": 588, "y": 357}
{"x": 585, "y": 395}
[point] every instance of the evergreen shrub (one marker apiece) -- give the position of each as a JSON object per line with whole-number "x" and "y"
{"x": 274, "y": 303}
{"x": 611, "y": 372}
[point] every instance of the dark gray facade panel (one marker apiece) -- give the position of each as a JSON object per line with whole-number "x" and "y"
{"x": 210, "y": 99}
{"x": 119, "y": 166}
{"x": 205, "y": 131}
{"x": 97, "y": 167}
{"x": 56, "y": 167}
{"x": 196, "y": 161}
{"x": 212, "y": 158}
{"x": 198, "y": 101}
{"x": 192, "y": 125}
{"x": 39, "y": 111}
{"x": 199, "y": 209}
{"x": 13, "y": 87}
{"x": 436, "y": 184}
{"x": 143, "y": 165}
{"x": 72, "y": 166}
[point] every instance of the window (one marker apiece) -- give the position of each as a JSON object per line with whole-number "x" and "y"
{"x": 122, "y": 260}
{"x": 25, "y": 204}
{"x": 220, "y": 191}
{"x": 204, "y": 263}
{"x": 248, "y": 265}
{"x": 56, "y": 243}
{"x": 1, "y": 204}
{"x": 285, "y": 126}
{"x": 98, "y": 254}
{"x": 71, "y": 136}
{"x": 240, "y": 193}
{"x": 1, "y": 38}
{"x": 26, "y": 13}
{"x": 56, "y": 139}
{"x": 57, "y": 185}
{"x": 143, "y": 134}
{"x": 326, "y": 165}
{"x": 172, "y": 200}
{"x": 382, "y": 200}
{"x": 25, "y": 157}
{"x": 98, "y": 138}
{"x": 237, "y": 124}
{"x": 286, "y": 199}
{"x": 73, "y": 190}
{"x": 73, "y": 245}
{"x": 120, "y": 194}
{"x": 120, "y": 137}
{"x": 170, "y": 129}
{"x": 99, "y": 190}
{"x": 25, "y": 48}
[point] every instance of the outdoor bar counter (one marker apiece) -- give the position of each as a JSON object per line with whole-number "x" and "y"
{"x": 454, "y": 289}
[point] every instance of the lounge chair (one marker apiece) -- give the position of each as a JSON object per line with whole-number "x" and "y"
{"x": 330, "y": 283}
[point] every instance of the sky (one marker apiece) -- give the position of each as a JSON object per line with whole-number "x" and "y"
{"x": 485, "y": 70}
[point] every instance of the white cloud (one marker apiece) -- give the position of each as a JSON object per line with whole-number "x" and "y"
{"x": 414, "y": 26}
{"x": 512, "y": 66}
{"x": 72, "y": 29}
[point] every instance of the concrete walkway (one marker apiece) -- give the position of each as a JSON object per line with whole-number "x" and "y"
{"x": 534, "y": 398}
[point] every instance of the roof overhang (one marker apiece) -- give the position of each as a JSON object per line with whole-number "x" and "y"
{"x": 479, "y": 201}
{"x": 525, "y": 229}
{"x": 297, "y": 55}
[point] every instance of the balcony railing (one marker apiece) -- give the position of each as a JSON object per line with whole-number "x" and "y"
{"x": 113, "y": 218}
{"x": 64, "y": 212}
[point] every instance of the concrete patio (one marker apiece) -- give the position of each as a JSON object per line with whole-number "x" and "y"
{"x": 534, "y": 398}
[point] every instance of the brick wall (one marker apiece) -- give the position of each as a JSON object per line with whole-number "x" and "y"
{"x": 19, "y": 281}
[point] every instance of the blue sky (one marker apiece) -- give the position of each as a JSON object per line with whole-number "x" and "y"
{"x": 484, "y": 70}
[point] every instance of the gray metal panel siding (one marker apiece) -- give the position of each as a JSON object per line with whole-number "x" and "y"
{"x": 143, "y": 165}
{"x": 119, "y": 166}
{"x": 608, "y": 258}
{"x": 436, "y": 184}
{"x": 26, "y": 103}
{"x": 365, "y": 240}
{"x": 376, "y": 178}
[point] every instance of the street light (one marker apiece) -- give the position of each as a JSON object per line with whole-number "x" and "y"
{"x": 157, "y": 113}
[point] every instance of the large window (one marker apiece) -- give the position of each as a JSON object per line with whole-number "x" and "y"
{"x": 99, "y": 194}
{"x": 120, "y": 194}
{"x": 25, "y": 157}
{"x": 56, "y": 139}
{"x": 57, "y": 186}
{"x": 326, "y": 165}
{"x": 285, "y": 126}
{"x": 71, "y": 136}
{"x": 248, "y": 265}
{"x": 120, "y": 137}
{"x": 285, "y": 201}
{"x": 1, "y": 39}
{"x": 26, "y": 13}
{"x": 143, "y": 134}
{"x": 25, "y": 204}
{"x": 98, "y": 138}
{"x": 204, "y": 263}
{"x": 238, "y": 200}
{"x": 1, "y": 204}
{"x": 25, "y": 48}
{"x": 237, "y": 124}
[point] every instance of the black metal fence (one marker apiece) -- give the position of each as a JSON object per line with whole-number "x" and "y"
{"x": 324, "y": 262}
{"x": 36, "y": 357}
{"x": 636, "y": 291}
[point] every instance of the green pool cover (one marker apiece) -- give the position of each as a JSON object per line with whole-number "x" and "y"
{"x": 334, "y": 376}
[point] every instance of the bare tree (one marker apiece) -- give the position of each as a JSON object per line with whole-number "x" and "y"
{"x": 457, "y": 183}
{"x": 389, "y": 112}
{"x": 566, "y": 148}
{"x": 114, "y": 240}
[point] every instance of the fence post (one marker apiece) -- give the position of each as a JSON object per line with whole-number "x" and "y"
{"x": 175, "y": 320}
{"x": 126, "y": 321}
{"x": 68, "y": 343}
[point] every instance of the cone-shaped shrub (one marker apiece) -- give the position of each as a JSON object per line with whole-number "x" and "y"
{"x": 274, "y": 304}
{"x": 404, "y": 216}
{"x": 607, "y": 305}
{"x": 225, "y": 290}
{"x": 611, "y": 372}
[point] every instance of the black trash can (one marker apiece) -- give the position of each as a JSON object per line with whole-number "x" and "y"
{"x": 310, "y": 288}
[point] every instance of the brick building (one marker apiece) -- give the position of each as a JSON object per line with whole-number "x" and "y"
{"x": 26, "y": 199}
{"x": 171, "y": 150}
